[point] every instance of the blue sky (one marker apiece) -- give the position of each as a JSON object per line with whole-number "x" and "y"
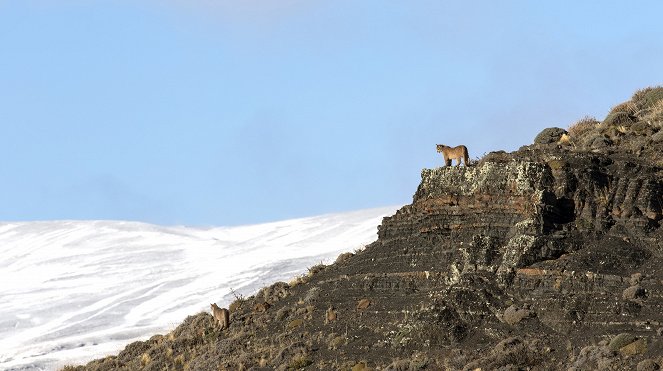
{"x": 225, "y": 113}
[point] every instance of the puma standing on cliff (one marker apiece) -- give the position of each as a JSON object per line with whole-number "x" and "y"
{"x": 453, "y": 153}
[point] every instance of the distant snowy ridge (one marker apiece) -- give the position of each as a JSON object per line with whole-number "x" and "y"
{"x": 73, "y": 291}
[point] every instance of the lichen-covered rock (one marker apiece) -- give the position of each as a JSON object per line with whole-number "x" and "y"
{"x": 637, "y": 347}
{"x": 647, "y": 365}
{"x": 634, "y": 292}
{"x": 513, "y": 314}
{"x": 621, "y": 340}
{"x": 594, "y": 358}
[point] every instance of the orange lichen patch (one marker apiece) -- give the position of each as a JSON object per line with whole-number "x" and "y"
{"x": 531, "y": 271}
{"x": 363, "y": 304}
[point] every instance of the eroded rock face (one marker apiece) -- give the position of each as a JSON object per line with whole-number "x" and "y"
{"x": 528, "y": 259}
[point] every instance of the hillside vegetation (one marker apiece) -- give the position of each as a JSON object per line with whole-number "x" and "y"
{"x": 632, "y": 126}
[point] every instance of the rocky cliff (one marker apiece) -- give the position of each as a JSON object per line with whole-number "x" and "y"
{"x": 545, "y": 258}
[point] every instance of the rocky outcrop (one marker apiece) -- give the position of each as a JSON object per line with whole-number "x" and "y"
{"x": 545, "y": 258}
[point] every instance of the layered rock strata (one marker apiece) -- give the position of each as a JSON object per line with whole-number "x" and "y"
{"x": 536, "y": 259}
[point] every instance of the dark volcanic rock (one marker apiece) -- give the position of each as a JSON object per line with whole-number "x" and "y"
{"x": 549, "y": 135}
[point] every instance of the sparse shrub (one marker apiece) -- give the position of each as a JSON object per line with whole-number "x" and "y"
{"x": 658, "y": 107}
{"x": 273, "y": 293}
{"x": 456, "y": 360}
{"x": 312, "y": 295}
{"x": 618, "y": 119}
{"x": 156, "y": 339}
{"x": 656, "y": 113}
{"x": 359, "y": 249}
{"x": 360, "y": 366}
{"x": 582, "y": 126}
{"x": 237, "y": 303}
{"x": 628, "y": 107}
{"x": 336, "y": 341}
{"x": 179, "y": 361}
{"x": 298, "y": 280}
{"x": 315, "y": 269}
{"x": 647, "y": 97}
{"x": 282, "y": 313}
{"x": 133, "y": 351}
{"x": 343, "y": 257}
{"x": 209, "y": 334}
{"x": 145, "y": 359}
{"x": 407, "y": 365}
{"x": 404, "y": 335}
{"x": 299, "y": 363}
{"x": 511, "y": 352}
{"x": 192, "y": 327}
{"x": 294, "y": 324}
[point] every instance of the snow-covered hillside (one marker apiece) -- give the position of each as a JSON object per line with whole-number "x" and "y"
{"x": 71, "y": 291}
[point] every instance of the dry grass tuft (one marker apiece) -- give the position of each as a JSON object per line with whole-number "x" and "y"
{"x": 315, "y": 269}
{"x": 629, "y": 107}
{"x": 298, "y": 280}
{"x": 583, "y": 126}
{"x": 647, "y": 97}
{"x": 145, "y": 359}
{"x": 656, "y": 114}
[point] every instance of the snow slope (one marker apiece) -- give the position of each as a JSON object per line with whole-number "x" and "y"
{"x": 72, "y": 291}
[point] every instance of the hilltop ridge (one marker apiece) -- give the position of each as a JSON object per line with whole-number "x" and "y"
{"x": 549, "y": 257}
